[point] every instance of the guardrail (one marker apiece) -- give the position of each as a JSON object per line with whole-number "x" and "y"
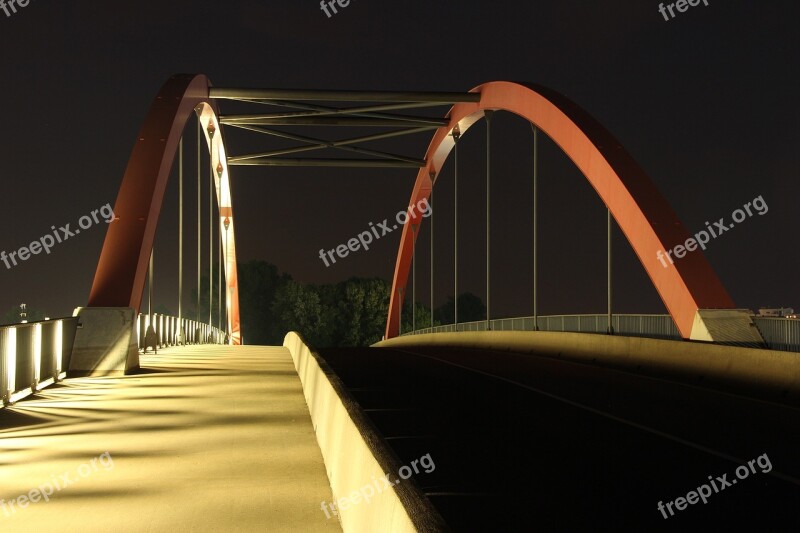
{"x": 779, "y": 333}
{"x": 652, "y": 326}
{"x": 173, "y": 331}
{"x": 37, "y": 354}
{"x": 34, "y": 356}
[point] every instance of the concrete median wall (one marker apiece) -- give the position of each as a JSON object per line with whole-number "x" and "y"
{"x": 355, "y": 455}
{"x": 764, "y": 374}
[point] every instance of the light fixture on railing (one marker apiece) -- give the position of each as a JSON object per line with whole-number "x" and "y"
{"x": 37, "y": 356}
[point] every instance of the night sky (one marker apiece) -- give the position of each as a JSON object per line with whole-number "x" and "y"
{"x": 705, "y": 102}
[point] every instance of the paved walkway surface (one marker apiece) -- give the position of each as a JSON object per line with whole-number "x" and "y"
{"x": 203, "y": 439}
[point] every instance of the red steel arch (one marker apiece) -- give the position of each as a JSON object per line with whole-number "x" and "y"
{"x": 121, "y": 272}
{"x": 644, "y": 216}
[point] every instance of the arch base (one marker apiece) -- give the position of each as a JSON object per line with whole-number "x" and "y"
{"x": 726, "y": 326}
{"x": 105, "y": 343}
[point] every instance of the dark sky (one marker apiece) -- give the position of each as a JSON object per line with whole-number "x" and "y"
{"x": 706, "y": 102}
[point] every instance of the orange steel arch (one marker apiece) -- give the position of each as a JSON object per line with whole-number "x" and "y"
{"x": 643, "y": 215}
{"x": 121, "y": 272}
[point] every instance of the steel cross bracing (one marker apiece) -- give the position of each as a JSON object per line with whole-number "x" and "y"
{"x": 294, "y": 108}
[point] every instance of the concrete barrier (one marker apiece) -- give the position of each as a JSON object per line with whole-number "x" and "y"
{"x": 356, "y": 456}
{"x": 105, "y": 343}
{"x": 760, "y": 373}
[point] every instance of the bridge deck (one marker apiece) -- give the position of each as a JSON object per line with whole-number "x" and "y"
{"x": 206, "y": 438}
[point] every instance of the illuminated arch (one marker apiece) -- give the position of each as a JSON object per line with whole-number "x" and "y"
{"x": 643, "y": 215}
{"x": 122, "y": 269}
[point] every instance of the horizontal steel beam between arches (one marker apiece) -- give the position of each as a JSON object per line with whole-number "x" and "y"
{"x": 343, "y": 163}
{"x": 317, "y": 110}
{"x": 319, "y": 144}
{"x": 342, "y": 96}
{"x": 399, "y": 121}
{"x": 366, "y": 138}
{"x": 326, "y": 117}
{"x": 305, "y": 149}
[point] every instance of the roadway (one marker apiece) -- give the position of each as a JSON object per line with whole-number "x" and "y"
{"x": 524, "y": 442}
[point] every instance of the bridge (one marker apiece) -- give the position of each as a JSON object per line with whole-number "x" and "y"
{"x": 122, "y": 418}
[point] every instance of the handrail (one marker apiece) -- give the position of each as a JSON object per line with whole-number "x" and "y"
{"x": 172, "y": 331}
{"x": 650, "y": 325}
{"x": 34, "y": 355}
{"x": 781, "y": 334}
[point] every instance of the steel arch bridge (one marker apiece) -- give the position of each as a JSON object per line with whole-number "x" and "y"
{"x": 643, "y": 215}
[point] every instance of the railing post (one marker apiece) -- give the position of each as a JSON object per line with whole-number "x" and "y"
{"x": 36, "y": 360}
{"x": 56, "y": 348}
{"x": 9, "y": 356}
{"x": 139, "y": 330}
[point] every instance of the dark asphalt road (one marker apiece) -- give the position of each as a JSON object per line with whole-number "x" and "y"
{"x": 527, "y": 443}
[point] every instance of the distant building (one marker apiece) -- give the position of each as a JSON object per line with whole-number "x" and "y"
{"x": 785, "y": 312}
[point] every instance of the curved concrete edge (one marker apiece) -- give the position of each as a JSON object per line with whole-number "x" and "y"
{"x": 355, "y": 454}
{"x": 764, "y": 374}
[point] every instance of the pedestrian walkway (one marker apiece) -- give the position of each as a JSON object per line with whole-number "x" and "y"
{"x": 204, "y": 438}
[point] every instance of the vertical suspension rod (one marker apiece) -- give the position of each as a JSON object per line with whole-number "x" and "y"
{"x": 535, "y": 227}
{"x": 456, "y": 137}
{"x": 180, "y": 231}
{"x": 488, "y": 115}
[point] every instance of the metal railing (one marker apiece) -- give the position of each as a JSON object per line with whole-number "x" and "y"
{"x": 37, "y": 354}
{"x": 653, "y": 326}
{"x": 779, "y": 333}
{"x": 34, "y": 355}
{"x": 172, "y": 331}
